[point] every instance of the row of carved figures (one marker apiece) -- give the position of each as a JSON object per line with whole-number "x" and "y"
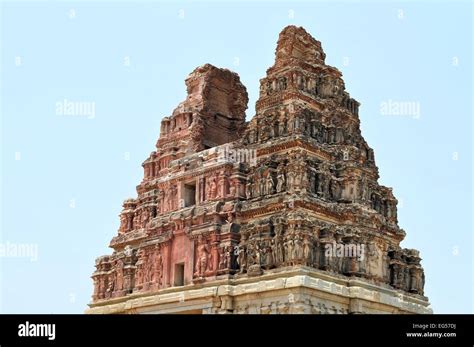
{"x": 315, "y": 86}
{"x": 136, "y": 218}
{"x": 132, "y": 273}
{"x": 318, "y": 182}
{"x": 209, "y": 188}
{"x": 277, "y": 251}
{"x": 298, "y": 124}
{"x": 262, "y": 183}
{"x": 269, "y": 127}
{"x": 294, "y": 248}
{"x": 147, "y": 273}
{"x": 149, "y": 269}
{"x": 204, "y": 261}
{"x": 349, "y": 256}
{"x": 341, "y": 256}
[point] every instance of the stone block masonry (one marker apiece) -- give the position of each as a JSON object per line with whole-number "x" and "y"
{"x": 214, "y": 233}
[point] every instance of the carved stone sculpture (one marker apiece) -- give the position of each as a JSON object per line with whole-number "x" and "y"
{"x": 298, "y": 191}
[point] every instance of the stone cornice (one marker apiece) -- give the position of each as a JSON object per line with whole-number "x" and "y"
{"x": 283, "y": 279}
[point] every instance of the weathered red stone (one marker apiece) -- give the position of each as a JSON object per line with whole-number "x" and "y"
{"x": 222, "y": 198}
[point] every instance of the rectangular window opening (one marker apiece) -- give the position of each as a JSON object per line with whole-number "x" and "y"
{"x": 189, "y": 194}
{"x": 179, "y": 275}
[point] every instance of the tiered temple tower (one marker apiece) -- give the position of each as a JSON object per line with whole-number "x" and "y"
{"x": 282, "y": 214}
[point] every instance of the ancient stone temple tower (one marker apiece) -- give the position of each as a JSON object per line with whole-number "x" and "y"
{"x": 282, "y": 214}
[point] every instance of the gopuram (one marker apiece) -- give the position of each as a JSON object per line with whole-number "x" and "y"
{"x": 281, "y": 214}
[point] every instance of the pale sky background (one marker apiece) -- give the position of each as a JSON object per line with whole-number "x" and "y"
{"x": 63, "y": 178}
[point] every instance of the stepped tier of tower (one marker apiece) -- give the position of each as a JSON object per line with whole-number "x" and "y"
{"x": 295, "y": 186}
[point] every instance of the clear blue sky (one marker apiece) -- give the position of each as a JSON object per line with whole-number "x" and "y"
{"x": 63, "y": 178}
